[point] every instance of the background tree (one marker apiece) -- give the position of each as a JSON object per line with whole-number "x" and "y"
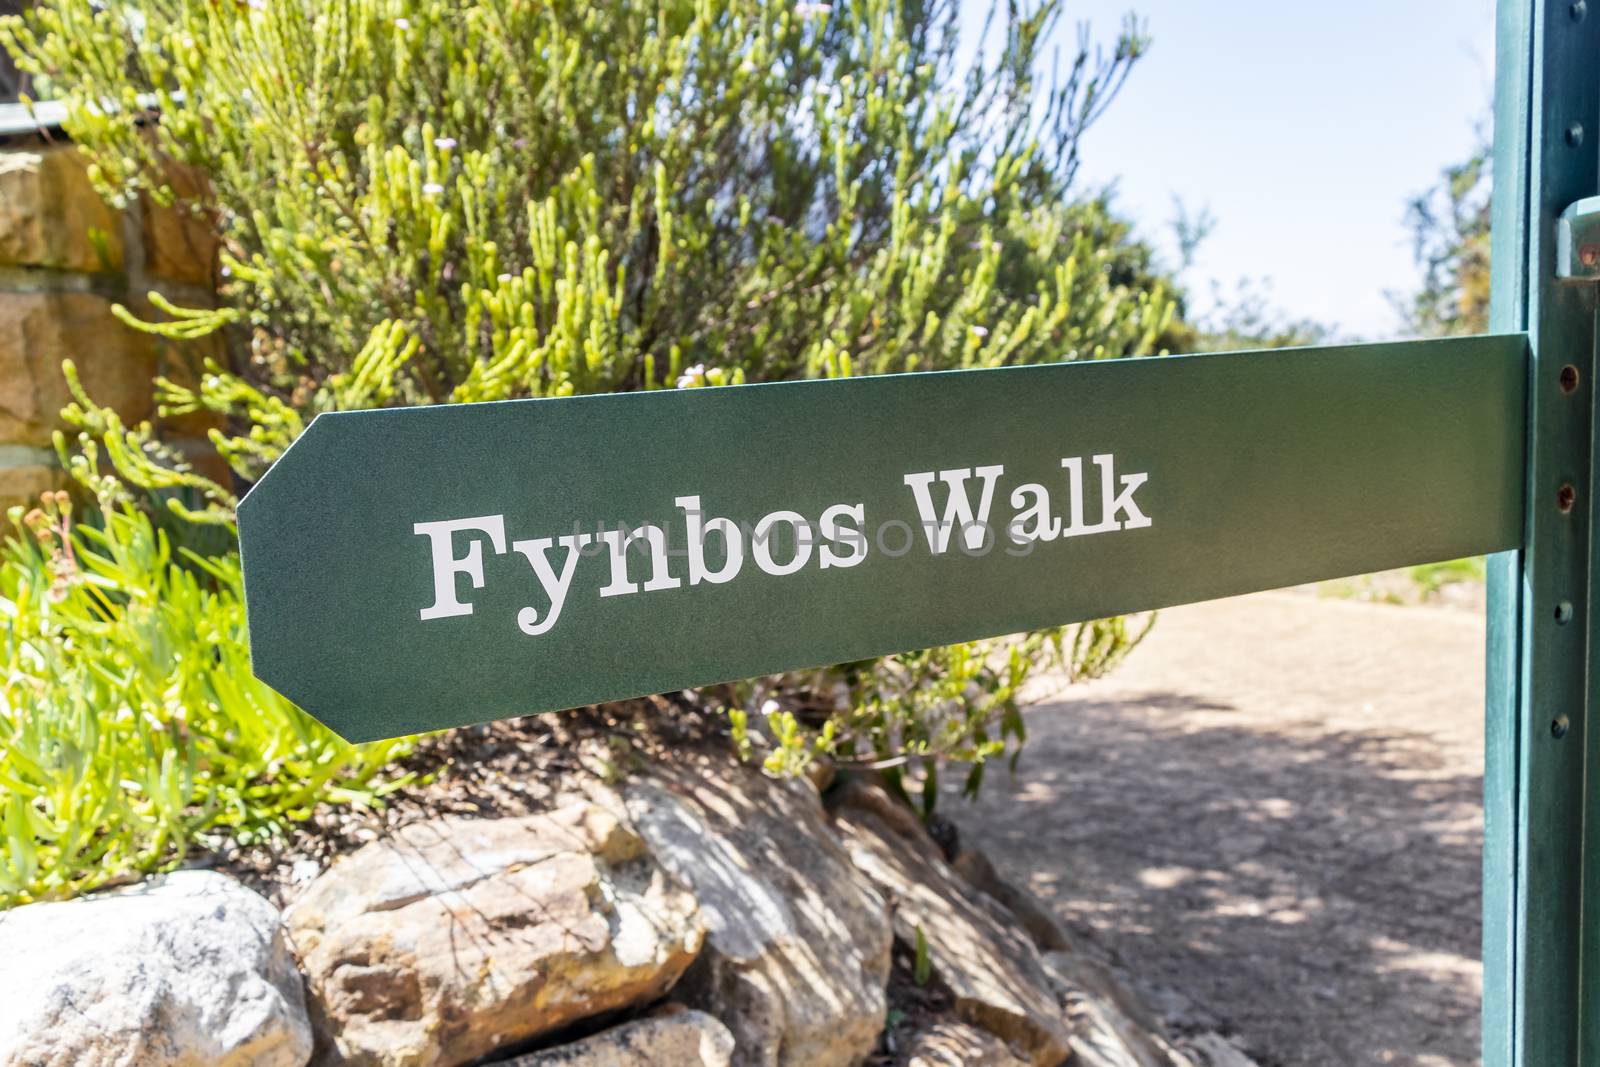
{"x": 1450, "y": 237}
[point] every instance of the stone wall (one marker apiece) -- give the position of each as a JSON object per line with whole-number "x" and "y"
{"x": 65, "y": 259}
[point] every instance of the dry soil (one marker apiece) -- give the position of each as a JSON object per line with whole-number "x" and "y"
{"x": 1271, "y": 815}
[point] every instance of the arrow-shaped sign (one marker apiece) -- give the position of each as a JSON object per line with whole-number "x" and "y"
{"x": 413, "y": 569}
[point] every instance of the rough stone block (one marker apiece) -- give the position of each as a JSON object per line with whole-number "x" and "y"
{"x": 50, "y": 214}
{"x": 994, "y": 973}
{"x": 457, "y": 937}
{"x": 188, "y": 969}
{"x": 673, "y": 1038}
{"x": 38, "y": 331}
{"x": 178, "y": 243}
{"x": 796, "y": 962}
{"x": 22, "y": 483}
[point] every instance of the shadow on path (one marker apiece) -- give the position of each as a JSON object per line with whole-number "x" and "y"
{"x": 1304, "y": 875}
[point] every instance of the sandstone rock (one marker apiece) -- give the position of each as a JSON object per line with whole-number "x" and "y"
{"x": 188, "y": 970}
{"x": 678, "y": 1038}
{"x": 38, "y": 331}
{"x": 1214, "y": 1050}
{"x": 989, "y": 964}
{"x": 51, "y": 216}
{"x": 1046, "y": 930}
{"x": 22, "y": 482}
{"x": 1109, "y": 1027}
{"x": 458, "y": 936}
{"x": 955, "y": 1044}
{"x": 178, "y": 243}
{"x": 797, "y": 950}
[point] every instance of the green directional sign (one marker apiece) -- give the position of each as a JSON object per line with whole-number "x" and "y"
{"x": 413, "y": 569}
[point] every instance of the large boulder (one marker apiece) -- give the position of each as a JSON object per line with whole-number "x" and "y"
{"x": 680, "y": 1038}
{"x": 976, "y": 949}
{"x": 1110, "y": 1028}
{"x": 797, "y": 951}
{"x": 1214, "y": 1050}
{"x": 949, "y": 1043}
{"x": 455, "y": 937}
{"x": 974, "y": 865}
{"x": 187, "y": 970}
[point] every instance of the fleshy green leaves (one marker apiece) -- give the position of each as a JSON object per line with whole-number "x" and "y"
{"x": 131, "y": 725}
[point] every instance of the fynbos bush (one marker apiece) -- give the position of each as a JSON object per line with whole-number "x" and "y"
{"x": 424, "y": 201}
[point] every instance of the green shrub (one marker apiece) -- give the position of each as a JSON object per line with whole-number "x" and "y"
{"x": 132, "y": 725}
{"x": 439, "y": 200}
{"x": 541, "y": 199}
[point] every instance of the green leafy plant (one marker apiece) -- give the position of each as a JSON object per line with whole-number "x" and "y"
{"x": 513, "y": 199}
{"x": 957, "y": 703}
{"x": 132, "y": 726}
{"x": 922, "y": 963}
{"x": 425, "y": 201}
{"x": 1432, "y": 577}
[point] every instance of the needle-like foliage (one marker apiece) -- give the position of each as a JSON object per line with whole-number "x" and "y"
{"x": 534, "y": 199}
{"x": 424, "y": 201}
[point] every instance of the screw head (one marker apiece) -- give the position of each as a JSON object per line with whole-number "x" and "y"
{"x": 1578, "y": 10}
{"x": 1575, "y": 134}
{"x": 1559, "y": 727}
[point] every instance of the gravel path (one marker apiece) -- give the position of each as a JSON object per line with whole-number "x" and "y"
{"x": 1272, "y": 815}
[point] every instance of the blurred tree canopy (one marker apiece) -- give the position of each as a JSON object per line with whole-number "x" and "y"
{"x": 1450, "y": 237}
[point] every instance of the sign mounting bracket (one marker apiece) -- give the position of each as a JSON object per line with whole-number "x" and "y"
{"x": 1578, "y": 241}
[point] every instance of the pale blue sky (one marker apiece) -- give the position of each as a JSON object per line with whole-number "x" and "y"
{"x": 1303, "y": 127}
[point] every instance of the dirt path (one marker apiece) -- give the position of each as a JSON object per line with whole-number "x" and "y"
{"x": 1272, "y": 815}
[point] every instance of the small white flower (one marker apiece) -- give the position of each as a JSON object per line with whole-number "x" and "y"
{"x": 980, "y": 331}
{"x": 227, "y": 272}
{"x": 695, "y": 375}
{"x": 432, "y": 189}
{"x": 258, "y": 5}
{"x": 771, "y": 707}
{"x": 807, "y": 10}
{"x": 503, "y": 278}
{"x": 444, "y": 143}
{"x": 402, "y": 24}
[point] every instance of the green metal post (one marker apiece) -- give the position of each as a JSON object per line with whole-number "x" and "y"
{"x": 1547, "y": 126}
